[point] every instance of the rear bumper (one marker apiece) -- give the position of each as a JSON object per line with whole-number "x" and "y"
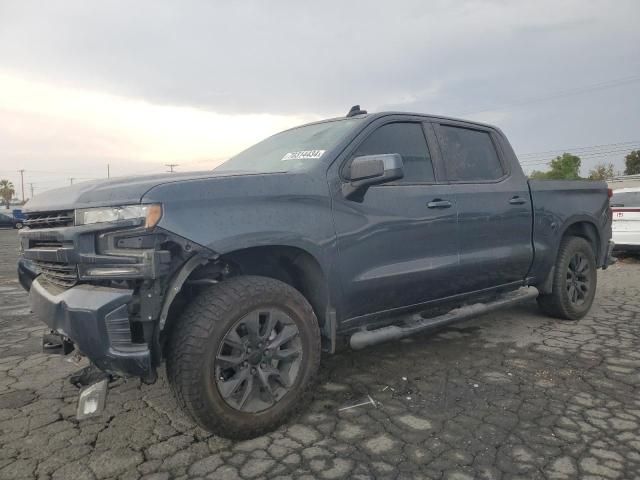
{"x": 96, "y": 319}
{"x": 626, "y": 239}
{"x": 627, "y": 247}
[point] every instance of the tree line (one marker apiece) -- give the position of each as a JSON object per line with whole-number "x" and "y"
{"x": 567, "y": 167}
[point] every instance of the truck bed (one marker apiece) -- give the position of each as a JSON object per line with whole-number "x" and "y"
{"x": 559, "y": 203}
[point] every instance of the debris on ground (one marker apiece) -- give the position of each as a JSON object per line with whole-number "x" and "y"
{"x": 370, "y": 401}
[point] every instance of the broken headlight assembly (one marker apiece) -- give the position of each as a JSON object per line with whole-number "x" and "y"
{"x": 127, "y": 248}
{"x": 150, "y": 214}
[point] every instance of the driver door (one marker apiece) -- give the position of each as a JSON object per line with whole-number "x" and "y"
{"x": 398, "y": 245}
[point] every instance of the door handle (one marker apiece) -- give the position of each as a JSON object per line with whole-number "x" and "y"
{"x": 437, "y": 203}
{"x": 517, "y": 201}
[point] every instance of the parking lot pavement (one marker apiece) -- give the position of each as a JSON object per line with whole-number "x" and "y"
{"x": 508, "y": 395}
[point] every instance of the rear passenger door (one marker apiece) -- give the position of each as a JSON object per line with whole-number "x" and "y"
{"x": 494, "y": 207}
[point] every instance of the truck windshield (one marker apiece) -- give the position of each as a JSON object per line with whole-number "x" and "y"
{"x": 296, "y": 149}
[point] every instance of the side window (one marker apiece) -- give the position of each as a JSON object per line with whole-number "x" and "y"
{"x": 408, "y": 140}
{"x": 469, "y": 154}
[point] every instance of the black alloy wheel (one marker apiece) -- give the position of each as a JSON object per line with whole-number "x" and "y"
{"x": 258, "y": 360}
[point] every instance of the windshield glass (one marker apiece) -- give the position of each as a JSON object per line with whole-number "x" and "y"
{"x": 296, "y": 149}
{"x": 625, "y": 199}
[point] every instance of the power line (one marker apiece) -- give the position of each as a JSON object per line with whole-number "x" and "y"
{"x": 46, "y": 172}
{"x": 582, "y": 152}
{"x": 548, "y": 158}
{"x": 573, "y": 149}
{"x": 616, "y": 153}
{"x": 561, "y": 93}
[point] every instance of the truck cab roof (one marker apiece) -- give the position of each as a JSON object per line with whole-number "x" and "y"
{"x": 376, "y": 115}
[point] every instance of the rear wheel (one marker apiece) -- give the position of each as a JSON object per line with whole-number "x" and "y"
{"x": 244, "y": 355}
{"x": 574, "y": 281}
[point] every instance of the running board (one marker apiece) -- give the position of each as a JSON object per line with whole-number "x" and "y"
{"x": 417, "y": 324}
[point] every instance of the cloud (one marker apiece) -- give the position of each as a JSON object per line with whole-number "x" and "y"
{"x": 119, "y": 125}
{"x": 45, "y": 126}
{"x": 296, "y": 57}
{"x": 196, "y": 80}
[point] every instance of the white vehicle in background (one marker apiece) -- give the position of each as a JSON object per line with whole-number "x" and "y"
{"x": 625, "y": 204}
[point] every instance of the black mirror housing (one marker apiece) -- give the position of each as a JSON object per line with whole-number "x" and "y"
{"x": 371, "y": 170}
{"x": 363, "y": 168}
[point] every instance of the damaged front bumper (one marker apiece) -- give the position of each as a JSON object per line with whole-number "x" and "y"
{"x": 96, "y": 320}
{"x": 103, "y": 288}
{"x": 26, "y": 273}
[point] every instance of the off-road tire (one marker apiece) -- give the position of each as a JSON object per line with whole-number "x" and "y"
{"x": 558, "y": 303}
{"x": 195, "y": 339}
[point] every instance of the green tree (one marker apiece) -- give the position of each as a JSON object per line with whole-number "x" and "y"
{"x": 6, "y": 191}
{"x": 602, "y": 172}
{"x": 565, "y": 167}
{"x": 538, "y": 175}
{"x": 632, "y": 163}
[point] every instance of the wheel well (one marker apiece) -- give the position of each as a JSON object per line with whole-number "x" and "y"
{"x": 290, "y": 265}
{"x": 588, "y": 231}
{"x": 583, "y": 229}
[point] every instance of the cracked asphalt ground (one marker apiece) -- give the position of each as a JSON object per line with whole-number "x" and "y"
{"x": 508, "y": 395}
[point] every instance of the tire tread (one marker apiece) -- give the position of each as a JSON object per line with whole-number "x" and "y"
{"x": 556, "y": 304}
{"x": 186, "y": 348}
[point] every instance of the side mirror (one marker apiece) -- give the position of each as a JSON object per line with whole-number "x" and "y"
{"x": 371, "y": 170}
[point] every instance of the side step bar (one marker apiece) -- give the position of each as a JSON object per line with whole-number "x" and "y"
{"x": 417, "y": 324}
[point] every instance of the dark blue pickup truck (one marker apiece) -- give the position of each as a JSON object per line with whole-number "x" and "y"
{"x": 351, "y": 230}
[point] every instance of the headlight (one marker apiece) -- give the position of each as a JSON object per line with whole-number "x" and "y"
{"x": 149, "y": 213}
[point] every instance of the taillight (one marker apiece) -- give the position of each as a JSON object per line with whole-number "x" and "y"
{"x": 609, "y": 192}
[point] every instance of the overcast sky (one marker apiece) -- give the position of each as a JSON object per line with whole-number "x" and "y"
{"x": 140, "y": 84}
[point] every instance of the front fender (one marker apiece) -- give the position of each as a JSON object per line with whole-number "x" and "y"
{"x": 177, "y": 282}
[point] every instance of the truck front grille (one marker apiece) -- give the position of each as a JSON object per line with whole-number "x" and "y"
{"x": 49, "y": 219}
{"x": 61, "y": 274}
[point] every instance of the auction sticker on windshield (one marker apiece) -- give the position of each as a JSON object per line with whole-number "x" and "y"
{"x": 304, "y": 155}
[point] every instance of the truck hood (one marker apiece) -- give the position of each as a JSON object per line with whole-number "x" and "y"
{"x": 116, "y": 191}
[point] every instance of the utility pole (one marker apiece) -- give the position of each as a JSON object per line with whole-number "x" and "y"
{"x": 31, "y": 185}
{"x": 22, "y": 182}
{"x": 171, "y": 165}
{"x": 71, "y": 179}
{"x": 108, "y": 171}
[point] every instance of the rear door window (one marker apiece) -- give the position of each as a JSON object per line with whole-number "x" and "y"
{"x": 469, "y": 155}
{"x": 409, "y": 141}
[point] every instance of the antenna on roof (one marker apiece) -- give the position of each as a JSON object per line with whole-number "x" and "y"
{"x": 355, "y": 110}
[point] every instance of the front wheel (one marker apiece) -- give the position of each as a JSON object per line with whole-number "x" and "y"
{"x": 244, "y": 355}
{"x": 574, "y": 281}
